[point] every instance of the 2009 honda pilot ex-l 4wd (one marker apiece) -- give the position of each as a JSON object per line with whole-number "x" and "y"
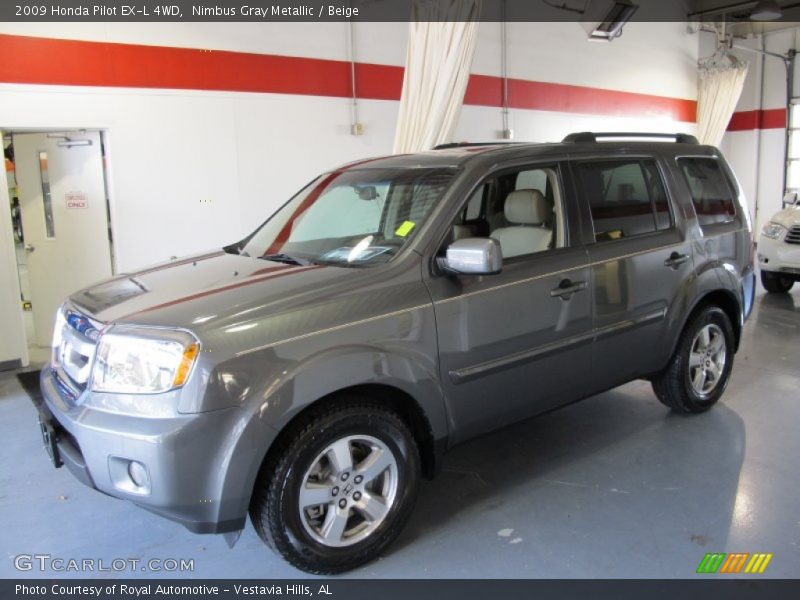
{"x": 311, "y": 373}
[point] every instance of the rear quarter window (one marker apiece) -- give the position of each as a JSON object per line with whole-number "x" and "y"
{"x": 711, "y": 190}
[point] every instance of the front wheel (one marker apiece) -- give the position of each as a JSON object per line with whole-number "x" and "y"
{"x": 775, "y": 283}
{"x": 699, "y": 370}
{"x": 340, "y": 489}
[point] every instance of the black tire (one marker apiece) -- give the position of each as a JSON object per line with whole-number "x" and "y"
{"x": 775, "y": 283}
{"x": 674, "y": 387}
{"x": 274, "y": 508}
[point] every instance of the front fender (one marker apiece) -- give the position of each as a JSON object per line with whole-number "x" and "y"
{"x": 287, "y": 388}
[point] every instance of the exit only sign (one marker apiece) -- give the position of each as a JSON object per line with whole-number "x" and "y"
{"x": 76, "y": 200}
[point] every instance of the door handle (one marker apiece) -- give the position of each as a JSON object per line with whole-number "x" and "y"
{"x": 675, "y": 260}
{"x": 29, "y": 247}
{"x": 566, "y": 288}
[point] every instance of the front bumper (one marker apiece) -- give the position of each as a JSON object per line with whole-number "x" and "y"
{"x": 779, "y": 257}
{"x": 195, "y": 463}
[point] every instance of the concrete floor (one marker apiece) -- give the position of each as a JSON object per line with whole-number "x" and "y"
{"x": 615, "y": 486}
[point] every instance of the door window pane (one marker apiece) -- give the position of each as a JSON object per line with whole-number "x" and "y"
{"x": 793, "y": 175}
{"x": 626, "y": 198}
{"x": 794, "y": 144}
{"x": 49, "y": 225}
{"x": 521, "y": 209}
{"x": 712, "y": 195}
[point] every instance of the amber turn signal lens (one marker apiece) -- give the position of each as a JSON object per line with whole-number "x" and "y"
{"x": 189, "y": 356}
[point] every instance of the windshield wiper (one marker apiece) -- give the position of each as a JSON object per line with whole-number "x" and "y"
{"x": 287, "y": 259}
{"x": 342, "y": 263}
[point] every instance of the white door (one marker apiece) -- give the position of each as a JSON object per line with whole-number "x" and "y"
{"x": 13, "y": 349}
{"x": 64, "y": 218}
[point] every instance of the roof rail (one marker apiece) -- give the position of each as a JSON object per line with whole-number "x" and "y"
{"x": 591, "y": 137}
{"x": 468, "y": 144}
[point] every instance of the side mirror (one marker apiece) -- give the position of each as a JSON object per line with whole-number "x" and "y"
{"x": 789, "y": 199}
{"x": 474, "y": 256}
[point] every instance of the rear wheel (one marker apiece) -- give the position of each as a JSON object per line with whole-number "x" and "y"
{"x": 701, "y": 366}
{"x": 340, "y": 489}
{"x": 775, "y": 283}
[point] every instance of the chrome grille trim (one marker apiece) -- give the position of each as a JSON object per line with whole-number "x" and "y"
{"x": 75, "y": 355}
{"x": 793, "y": 235}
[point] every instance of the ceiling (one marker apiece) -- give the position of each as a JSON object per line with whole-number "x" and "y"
{"x": 737, "y": 15}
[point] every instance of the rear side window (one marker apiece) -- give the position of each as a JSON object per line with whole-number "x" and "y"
{"x": 712, "y": 194}
{"x": 626, "y": 198}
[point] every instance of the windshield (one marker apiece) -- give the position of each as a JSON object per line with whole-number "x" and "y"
{"x": 350, "y": 218}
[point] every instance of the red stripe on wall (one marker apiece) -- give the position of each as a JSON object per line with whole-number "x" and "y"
{"x": 485, "y": 90}
{"x": 69, "y": 62}
{"x": 748, "y": 120}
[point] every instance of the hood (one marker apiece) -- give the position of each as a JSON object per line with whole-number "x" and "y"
{"x": 788, "y": 217}
{"x": 195, "y": 292}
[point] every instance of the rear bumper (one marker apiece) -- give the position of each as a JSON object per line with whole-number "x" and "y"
{"x": 191, "y": 462}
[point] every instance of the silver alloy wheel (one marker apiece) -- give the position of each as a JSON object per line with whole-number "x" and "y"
{"x": 348, "y": 490}
{"x": 707, "y": 359}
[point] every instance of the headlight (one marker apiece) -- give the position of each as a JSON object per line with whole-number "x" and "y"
{"x": 132, "y": 360}
{"x": 773, "y": 230}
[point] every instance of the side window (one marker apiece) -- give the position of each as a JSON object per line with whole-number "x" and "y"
{"x": 626, "y": 198}
{"x": 521, "y": 209}
{"x": 712, "y": 195}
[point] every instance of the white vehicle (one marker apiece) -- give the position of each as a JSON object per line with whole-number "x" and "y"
{"x": 779, "y": 247}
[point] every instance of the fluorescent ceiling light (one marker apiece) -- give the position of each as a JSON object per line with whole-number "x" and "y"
{"x": 766, "y": 10}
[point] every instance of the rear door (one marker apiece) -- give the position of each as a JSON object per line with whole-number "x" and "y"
{"x": 639, "y": 259}
{"x": 519, "y": 342}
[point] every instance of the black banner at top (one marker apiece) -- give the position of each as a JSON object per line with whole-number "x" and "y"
{"x": 263, "y": 11}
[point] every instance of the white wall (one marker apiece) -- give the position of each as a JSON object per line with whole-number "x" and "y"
{"x": 246, "y": 153}
{"x": 757, "y": 156}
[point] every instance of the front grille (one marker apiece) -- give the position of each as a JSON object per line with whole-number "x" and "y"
{"x": 75, "y": 355}
{"x": 793, "y": 235}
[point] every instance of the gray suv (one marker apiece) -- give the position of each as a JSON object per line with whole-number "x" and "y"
{"x": 311, "y": 373}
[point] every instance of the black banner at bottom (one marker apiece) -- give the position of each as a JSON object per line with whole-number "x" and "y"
{"x": 396, "y": 589}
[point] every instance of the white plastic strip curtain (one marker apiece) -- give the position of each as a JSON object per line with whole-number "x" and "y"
{"x": 441, "y": 43}
{"x": 720, "y": 82}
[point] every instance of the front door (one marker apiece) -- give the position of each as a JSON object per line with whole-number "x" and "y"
{"x": 64, "y": 218}
{"x": 517, "y": 343}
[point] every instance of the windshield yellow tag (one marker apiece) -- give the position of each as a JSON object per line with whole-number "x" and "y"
{"x": 404, "y": 229}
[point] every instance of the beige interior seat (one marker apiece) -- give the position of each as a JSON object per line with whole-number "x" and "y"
{"x": 530, "y": 214}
